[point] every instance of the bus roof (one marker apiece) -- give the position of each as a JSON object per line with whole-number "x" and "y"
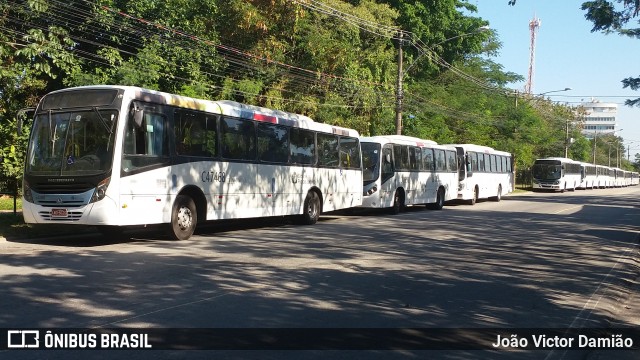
{"x": 480, "y": 148}
{"x": 561, "y": 159}
{"x": 223, "y": 107}
{"x": 398, "y": 139}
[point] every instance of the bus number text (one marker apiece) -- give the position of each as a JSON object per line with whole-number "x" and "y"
{"x": 213, "y": 176}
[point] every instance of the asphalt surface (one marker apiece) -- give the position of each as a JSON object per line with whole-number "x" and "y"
{"x": 533, "y": 261}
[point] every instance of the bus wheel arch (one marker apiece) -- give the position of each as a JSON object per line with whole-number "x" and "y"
{"x": 498, "y": 196}
{"x": 398, "y": 201}
{"x": 440, "y": 196}
{"x": 188, "y": 206}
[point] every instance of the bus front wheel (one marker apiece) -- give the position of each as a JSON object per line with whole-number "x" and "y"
{"x": 474, "y": 199}
{"x": 184, "y": 218}
{"x": 398, "y": 203}
{"x": 311, "y": 211}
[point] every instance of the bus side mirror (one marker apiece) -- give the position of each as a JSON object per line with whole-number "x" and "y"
{"x": 138, "y": 114}
{"x": 387, "y": 158}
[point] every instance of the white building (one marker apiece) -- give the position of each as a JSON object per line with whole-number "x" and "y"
{"x": 599, "y": 117}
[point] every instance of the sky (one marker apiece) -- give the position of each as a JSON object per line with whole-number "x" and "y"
{"x": 567, "y": 54}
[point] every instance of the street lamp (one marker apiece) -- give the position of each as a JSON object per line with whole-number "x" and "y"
{"x": 402, "y": 73}
{"x": 480, "y": 29}
{"x": 552, "y": 91}
{"x": 566, "y": 136}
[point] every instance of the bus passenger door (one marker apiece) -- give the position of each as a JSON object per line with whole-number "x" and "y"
{"x": 387, "y": 176}
{"x": 431, "y": 186}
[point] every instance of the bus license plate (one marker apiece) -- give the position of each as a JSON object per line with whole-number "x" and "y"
{"x": 59, "y": 213}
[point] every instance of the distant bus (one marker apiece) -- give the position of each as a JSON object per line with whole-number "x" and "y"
{"x": 114, "y": 156}
{"x": 556, "y": 174}
{"x": 588, "y": 176}
{"x": 605, "y": 177}
{"x": 401, "y": 170}
{"x": 483, "y": 173}
{"x": 619, "y": 177}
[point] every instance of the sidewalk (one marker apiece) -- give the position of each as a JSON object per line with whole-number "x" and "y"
{"x": 628, "y": 315}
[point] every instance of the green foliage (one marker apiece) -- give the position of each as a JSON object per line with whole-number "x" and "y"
{"x": 286, "y": 56}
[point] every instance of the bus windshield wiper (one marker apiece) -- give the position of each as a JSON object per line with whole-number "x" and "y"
{"x": 102, "y": 120}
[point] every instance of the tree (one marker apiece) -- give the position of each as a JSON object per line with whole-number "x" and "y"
{"x": 607, "y": 16}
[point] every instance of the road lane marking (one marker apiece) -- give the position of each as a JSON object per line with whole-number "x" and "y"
{"x": 566, "y": 209}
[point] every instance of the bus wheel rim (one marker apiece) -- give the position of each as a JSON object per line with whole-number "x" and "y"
{"x": 184, "y": 218}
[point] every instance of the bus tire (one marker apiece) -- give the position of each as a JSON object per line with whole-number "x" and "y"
{"x": 398, "y": 203}
{"x": 498, "y": 196}
{"x": 311, "y": 211}
{"x": 439, "y": 204}
{"x": 184, "y": 218}
{"x": 474, "y": 199}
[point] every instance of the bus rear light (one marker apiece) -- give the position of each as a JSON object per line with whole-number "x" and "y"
{"x": 101, "y": 190}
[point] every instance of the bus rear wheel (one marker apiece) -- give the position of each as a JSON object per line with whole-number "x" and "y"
{"x": 311, "y": 211}
{"x": 439, "y": 204}
{"x": 184, "y": 218}
{"x": 498, "y": 196}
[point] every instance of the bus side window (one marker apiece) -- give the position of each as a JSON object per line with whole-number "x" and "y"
{"x": 146, "y": 140}
{"x": 328, "y": 150}
{"x": 273, "y": 143}
{"x": 427, "y": 158}
{"x": 387, "y": 163}
{"x": 350, "y": 153}
{"x": 441, "y": 160}
{"x": 302, "y": 147}
{"x": 238, "y": 139}
{"x": 452, "y": 161}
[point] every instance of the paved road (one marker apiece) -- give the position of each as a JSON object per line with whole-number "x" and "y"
{"x": 530, "y": 261}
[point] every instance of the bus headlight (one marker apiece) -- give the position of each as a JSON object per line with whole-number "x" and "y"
{"x": 371, "y": 191}
{"x": 27, "y": 195}
{"x": 557, "y": 182}
{"x": 101, "y": 190}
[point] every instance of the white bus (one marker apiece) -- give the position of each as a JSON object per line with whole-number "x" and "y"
{"x": 605, "y": 177}
{"x": 114, "y": 156}
{"x": 401, "y": 170}
{"x": 556, "y": 173}
{"x": 483, "y": 173}
{"x": 588, "y": 175}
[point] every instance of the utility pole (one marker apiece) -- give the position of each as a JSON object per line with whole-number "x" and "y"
{"x": 399, "y": 92}
{"x": 566, "y": 140}
{"x": 595, "y": 138}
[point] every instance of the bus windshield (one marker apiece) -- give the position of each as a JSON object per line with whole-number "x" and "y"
{"x": 72, "y": 142}
{"x": 547, "y": 172}
{"x": 370, "y": 162}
